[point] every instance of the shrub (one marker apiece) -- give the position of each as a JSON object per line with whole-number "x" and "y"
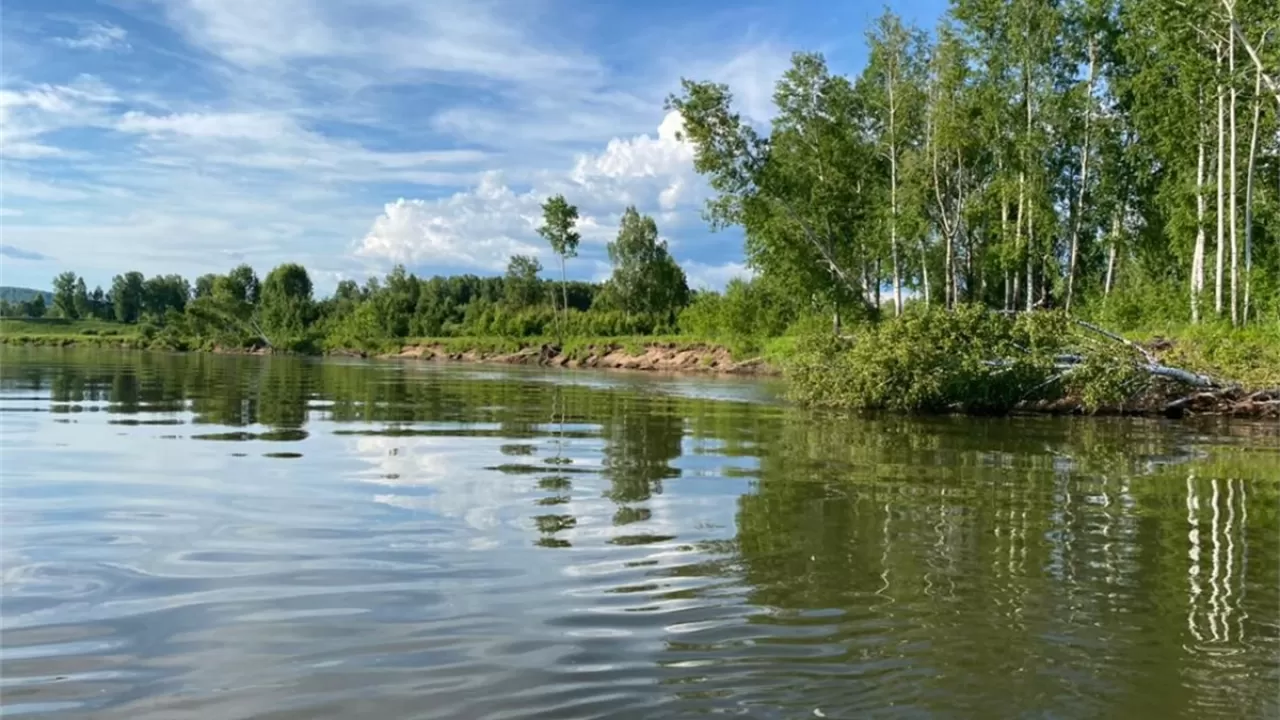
{"x": 930, "y": 359}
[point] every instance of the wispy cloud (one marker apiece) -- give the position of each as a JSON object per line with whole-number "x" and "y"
{"x": 96, "y": 36}
{"x": 350, "y": 134}
{"x": 17, "y": 253}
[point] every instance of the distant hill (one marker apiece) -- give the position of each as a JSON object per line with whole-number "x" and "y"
{"x": 17, "y": 294}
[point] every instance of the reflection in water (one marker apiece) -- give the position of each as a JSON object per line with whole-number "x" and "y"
{"x": 240, "y": 537}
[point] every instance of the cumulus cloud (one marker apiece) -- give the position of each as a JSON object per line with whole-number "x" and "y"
{"x": 480, "y": 228}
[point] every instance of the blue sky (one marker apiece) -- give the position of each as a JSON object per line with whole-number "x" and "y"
{"x": 191, "y": 135}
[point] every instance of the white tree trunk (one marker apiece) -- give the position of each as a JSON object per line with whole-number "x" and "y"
{"x": 1235, "y": 252}
{"x": 924, "y": 271}
{"x": 1111, "y": 255}
{"x": 1017, "y": 230}
{"x": 1222, "y": 207}
{"x": 1248, "y": 198}
{"x": 564, "y": 290}
{"x": 893, "y": 199}
{"x": 1026, "y": 164}
{"x": 1084, "y": 180}
{"x": 1197, "y": 257}
{"x": 1009, "y": 299}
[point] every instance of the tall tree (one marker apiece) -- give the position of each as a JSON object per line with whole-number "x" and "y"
{"x": 246, "y": 282}
{"x": 83, "y": 305}
{"x": 521, "y": 286}
{"x": 286, "y": 303}
{"x": 892, "y": 83}
{"x": 646, "y": 279}
{"x": 127, "y": 296}
{"x": 558, "y": 221}
{"x": 800, "y": 195}
{"x": 64, "y": 294}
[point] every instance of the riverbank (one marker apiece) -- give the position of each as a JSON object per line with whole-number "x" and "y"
{"x": 670, "y": 356}
{"x": 899, "y": 365}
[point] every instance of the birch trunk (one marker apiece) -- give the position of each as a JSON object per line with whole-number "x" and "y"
{"x": 1235, "y": 252}
{"x": 1017, "y": 230}
{"x": 1004, "y": 236}
{"x": 924, "y": 270}
{"x": 1111, "y": 255}
{"x": 1084, "y": 179}
{"x": 564, "y": 290}
{"x": 1222, "y": 207}
{"x": 1026, "y": 165}
{"x": 1248, "y": 197}
{"x": 893, "y": 197}
{"x": 1197, "y": 258}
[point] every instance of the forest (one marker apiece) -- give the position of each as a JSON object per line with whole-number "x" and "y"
{"x": 1106, "y": 161}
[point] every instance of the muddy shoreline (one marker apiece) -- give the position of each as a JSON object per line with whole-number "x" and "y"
{"x": 658, "y": 357}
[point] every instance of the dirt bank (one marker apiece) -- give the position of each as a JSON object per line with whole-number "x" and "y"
{"x": 655, "y": 357}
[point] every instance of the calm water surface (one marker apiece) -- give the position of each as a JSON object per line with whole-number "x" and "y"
{"x": 216, "y": 537}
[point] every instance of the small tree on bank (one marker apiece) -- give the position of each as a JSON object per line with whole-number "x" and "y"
{"x": 558, "y": 220}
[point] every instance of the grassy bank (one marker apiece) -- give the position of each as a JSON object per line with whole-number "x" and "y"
{"x": 57, "y": 332}
{"x": 978, "y": 361}
{"x": 970, "y": 360}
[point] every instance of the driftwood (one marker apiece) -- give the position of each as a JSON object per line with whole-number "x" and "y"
{"x": 1154, "y": 366}
{"x": 1209, "y": 394}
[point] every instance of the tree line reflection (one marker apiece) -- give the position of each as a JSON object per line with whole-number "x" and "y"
{"x": 1108, "y": 537}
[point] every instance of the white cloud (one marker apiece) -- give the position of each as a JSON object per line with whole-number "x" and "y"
{"x": 276, "y": 141}
{"x": 751, "y": 74}
{"x": 702, "y": 276}
{"x": 97, "y": 36}
{"x": 10, "y": 212}
{"x": 29, "y": 112}
{"x": 480, "y": 228}
{"x": 641, "y": 156}
{"x": 484, "y": 40}
{"x": 249, "y": 126}
{"x": 301, "y": 113}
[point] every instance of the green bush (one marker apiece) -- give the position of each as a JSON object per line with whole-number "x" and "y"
{"x": 930, "y": 360}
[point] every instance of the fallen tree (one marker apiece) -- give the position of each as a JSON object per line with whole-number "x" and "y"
{"x": 979, "y": 361}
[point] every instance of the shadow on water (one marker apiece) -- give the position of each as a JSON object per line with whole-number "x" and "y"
{"x": 617, "y": 546}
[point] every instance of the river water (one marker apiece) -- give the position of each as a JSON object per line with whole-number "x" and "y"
{"x": 239, "y": 537}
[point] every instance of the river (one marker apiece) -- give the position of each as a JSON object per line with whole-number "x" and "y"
{"x": 200, "y": 536}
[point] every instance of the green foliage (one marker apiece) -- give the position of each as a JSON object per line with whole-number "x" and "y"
{"x": 81, "y": 302}
{"x": 646, "y": 279}
{"x": 522, "y": 287}
{"x": 929, "y": 360}
{"x": 64, "y": 295}
{"x": 127, "y": 296}
{"x": 286, "y": 308}
{"x": 558, "y": 221}
{"x": 743, "y": 316}
{"x": 35, "y": 307}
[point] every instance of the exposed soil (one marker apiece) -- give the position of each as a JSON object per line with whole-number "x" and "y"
{"x": 656, "y": 357}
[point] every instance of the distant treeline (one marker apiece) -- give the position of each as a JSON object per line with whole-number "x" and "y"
{"x": 646, "y": 294}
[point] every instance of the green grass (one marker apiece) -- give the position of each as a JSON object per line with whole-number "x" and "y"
{"x": 1249, "y": 356}
{"x": 59, "y": 331}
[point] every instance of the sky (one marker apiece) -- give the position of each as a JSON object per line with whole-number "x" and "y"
{"x": 190, "y": 136}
